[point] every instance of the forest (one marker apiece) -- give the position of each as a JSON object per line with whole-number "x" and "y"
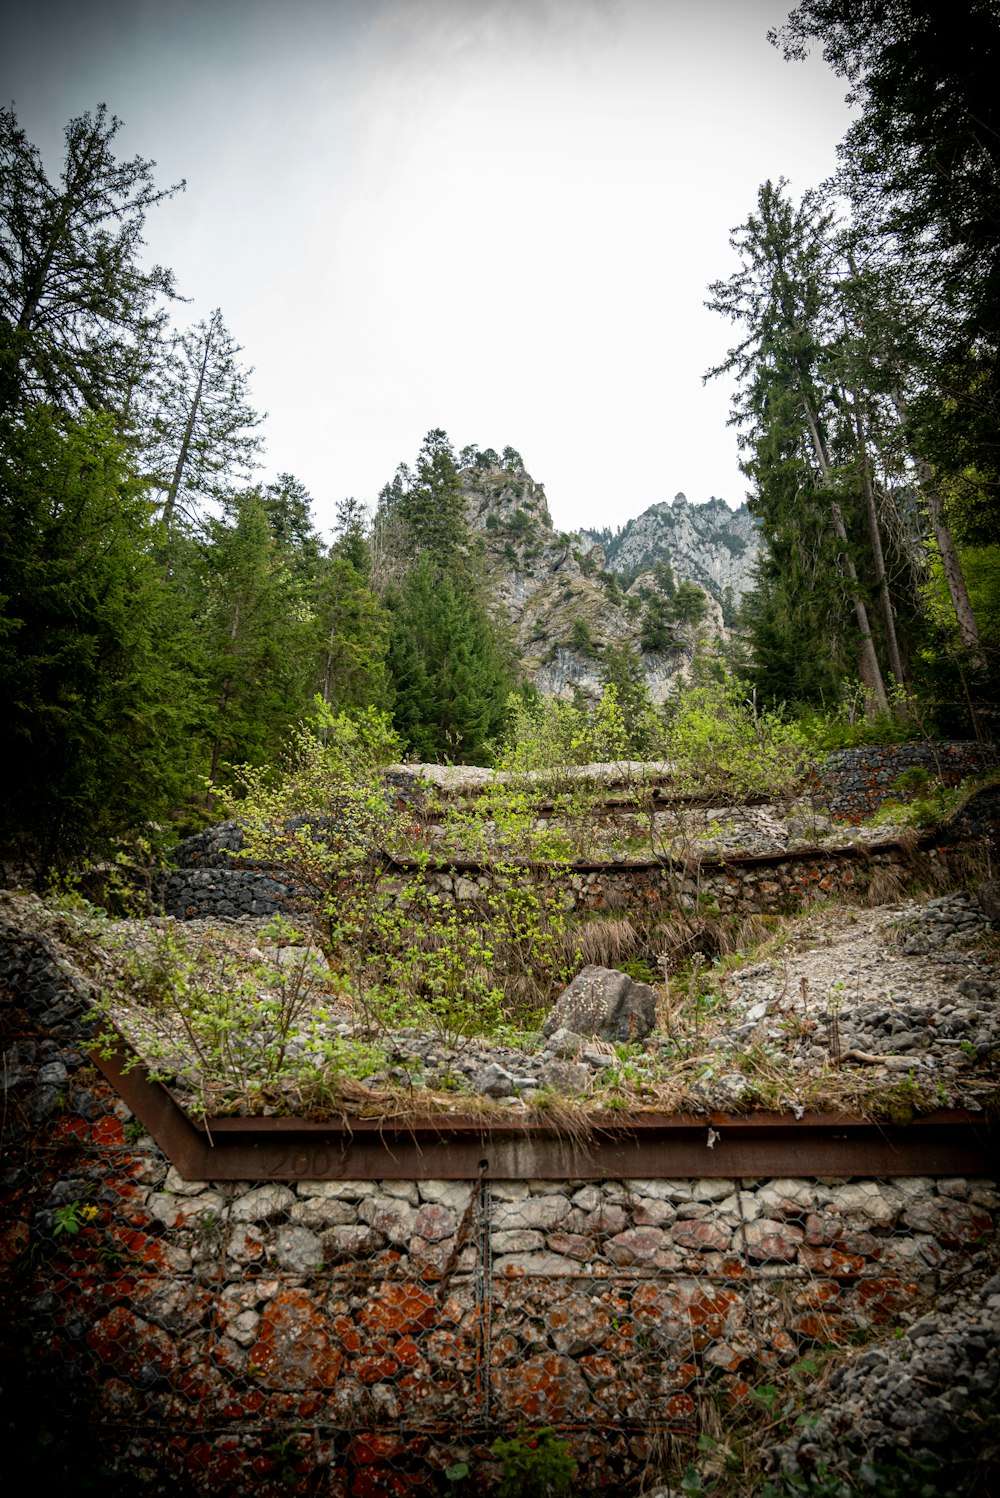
{"x": 166, "y": 618}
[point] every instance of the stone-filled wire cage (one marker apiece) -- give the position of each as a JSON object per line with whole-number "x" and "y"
{"x": 365, "y": 1338}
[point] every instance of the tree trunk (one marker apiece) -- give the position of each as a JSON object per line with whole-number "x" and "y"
{"x": 968, "y": 629}
{"x": 875, "y": 537}
{"x": 871, "y": 672}
{"x": 170, "y": 502}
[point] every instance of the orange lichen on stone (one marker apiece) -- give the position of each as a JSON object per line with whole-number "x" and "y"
{"x": 293, "y": 1344}
{"x": 405, "y": 1310}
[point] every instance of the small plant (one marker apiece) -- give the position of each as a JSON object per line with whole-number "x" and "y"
{"x": 535, "y": 1464}
{"x": 72, "y": 1217}
{"x": 912, "y": 783}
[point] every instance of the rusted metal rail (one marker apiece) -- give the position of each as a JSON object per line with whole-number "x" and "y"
{"x": 620, "y": 1146}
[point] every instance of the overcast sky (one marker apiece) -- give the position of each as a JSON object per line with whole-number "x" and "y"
{"x": 498, "y": 217}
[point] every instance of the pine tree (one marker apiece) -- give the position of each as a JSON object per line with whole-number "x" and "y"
{"x": 288, "y": 506}
{"x": 449, "y": 674}
{"x": 921, "y": 167}
{"x": 79, "y": 312}
{"x": 96, "y": 708}
{"x": 432, "y": 508}
{"x": 257, "y": 637}
{"x": 787, "y": 405}
{"x": 353, "y": 624}
{"x": 201, "y": 440}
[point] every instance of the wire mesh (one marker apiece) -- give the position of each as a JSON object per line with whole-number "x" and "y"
{"x": 377, "y": 1338}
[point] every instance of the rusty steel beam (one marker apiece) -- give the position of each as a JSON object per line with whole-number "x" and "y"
{"x": 641, "y": 1145}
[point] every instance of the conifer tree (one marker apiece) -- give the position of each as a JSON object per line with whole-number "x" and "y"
{"x": 788, "y": 401}
{"x": 448, "y": 659}
{"x": 257, "y": 635}
{"x": 79, "y": 311}
{"x": 201, "y": 440}
{"x": 353, "y": 624}
{"x": 96, "y": 703}
{"x": 920, "y": 165}
{"x": 449, "y": 675}
{"x": 432, "y": 507}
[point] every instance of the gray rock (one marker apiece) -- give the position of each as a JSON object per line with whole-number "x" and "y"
{"x": 564, "y": 1043}
{"x": 604, "y": 1002}
{"x": 52, "y": 1074}
{"x": 494, "y": 1080}
{"x": 299, "y": 1250}
{"x": 565, "y": 1076}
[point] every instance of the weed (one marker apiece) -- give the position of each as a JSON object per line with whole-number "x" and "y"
{"x": 534, "y": 1464}
{"x": 73, "y": 1217}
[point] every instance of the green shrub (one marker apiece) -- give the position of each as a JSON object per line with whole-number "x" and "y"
{"x": 536, "y": 1464}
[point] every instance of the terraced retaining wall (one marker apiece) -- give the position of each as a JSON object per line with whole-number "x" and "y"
{"x": 364, "y": 1338}
{"x": 742, "y": 883}
{"x": 854, "y": 783}
{"x": 213, "y": 881}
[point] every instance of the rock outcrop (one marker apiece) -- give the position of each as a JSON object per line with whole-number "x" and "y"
{"x": 566, "y": 605}
{"x": 708, "y": 544}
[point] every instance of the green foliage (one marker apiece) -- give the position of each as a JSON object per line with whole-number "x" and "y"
{"x": 432, "y": 508}
{"x": 857, "y": 720}
{"x": 626, "y": 697}
{"x": 72, "y": 1218}
{"x": 225, "y": 1032}
{"x": 580, "y": 637}
{"x": 721, "y": 740}
{"x": 546, "y": 736}
{"x": 536, "y": 1463}
{"x": 256, "y": 637}
{"x": 406, "y": 954}
{"x": 96, "y": 706}
{"x": 448, "y": 666}
{"x": 351, "y": 634}
{"x": 690, "y": 604}
{"x": 78, "y": 309}
{"x": 199, "y": 442}
{"x": 657, "y": 632}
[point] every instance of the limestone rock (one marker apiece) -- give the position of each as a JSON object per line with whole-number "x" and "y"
{"x": 604, "y": 1002}
{"x": 493, "y": 1080}
{"x": 565, "y": 1076}
{"x": 562, "y": 597}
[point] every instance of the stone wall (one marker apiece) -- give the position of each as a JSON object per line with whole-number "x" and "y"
{"x": 742, "y": 884}
{"x": 854, "y": 783}
{"x": 361, "y": 1337}
{"x": 212, "y": 881}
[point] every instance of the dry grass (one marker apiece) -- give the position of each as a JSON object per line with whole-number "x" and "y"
{"x": 887, "y": 885}
{"x": 606, "y": 941}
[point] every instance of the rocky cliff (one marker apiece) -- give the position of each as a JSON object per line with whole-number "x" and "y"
{"x": 566, "y": 604}
{"x": 709, "y": 544}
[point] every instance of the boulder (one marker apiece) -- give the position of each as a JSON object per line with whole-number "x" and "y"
{"x": 604, "y": 1002}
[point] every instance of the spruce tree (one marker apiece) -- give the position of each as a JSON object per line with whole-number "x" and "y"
{"x": 96, "y": 701}
{"x": 788, "y": 401}
{"x": 80, "y": 313}
{"x": 448, "y": 669}
{"x": 200, "y": 444}
{"x": 257, "y": 636}
{"x": 353, "y": 623}
{"x": 432, "y": 507}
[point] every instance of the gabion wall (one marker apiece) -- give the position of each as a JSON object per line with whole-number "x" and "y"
{"x": 366, "y": 1338}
